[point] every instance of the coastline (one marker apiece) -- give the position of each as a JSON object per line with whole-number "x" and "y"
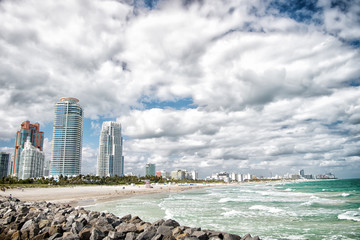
{"x": 86, "y": 195}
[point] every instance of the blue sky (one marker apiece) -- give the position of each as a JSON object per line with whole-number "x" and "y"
{"x": 247, "y": 86}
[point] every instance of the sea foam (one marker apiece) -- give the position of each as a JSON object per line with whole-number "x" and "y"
{"x": 266, "y": 209}
{"x": 350, "y": 215}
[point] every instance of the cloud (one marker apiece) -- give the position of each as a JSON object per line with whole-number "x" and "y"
{"x": 89, "y": 160}
{"x": 269, "y": 86}
{"x": 283, "y": 134}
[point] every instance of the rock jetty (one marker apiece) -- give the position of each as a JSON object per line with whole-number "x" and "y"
{"x": 44, "y": 220}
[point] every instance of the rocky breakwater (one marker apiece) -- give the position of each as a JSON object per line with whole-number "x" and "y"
{"x": 44, "y": 220}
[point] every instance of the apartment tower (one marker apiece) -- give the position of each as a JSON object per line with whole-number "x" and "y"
{"x": 110, "y": 159}
{"x": 4, "y": 164}
{"x": 31, "y": 161}
{"x": 36, "y": 138}
{"x": 67, "y": 138}
{"x": 150, "y": 169}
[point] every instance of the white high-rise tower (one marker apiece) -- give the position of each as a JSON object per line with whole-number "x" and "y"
{"x": 67, "y": 138}
{"x": 110, "y": 160}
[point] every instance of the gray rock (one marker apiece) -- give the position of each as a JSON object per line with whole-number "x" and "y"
{"x": 135, "y": 220}
{"x": 125, "y": 218}
{"x": 55, "y": 235}
{"x": 171, "y": 223}
{"x": 130, "y": 236}
{"x": 85, "y": 233}
{"x": 215, "y": 234}
{"x": 164, "y": 230}
{"x": 214, "y": 238}
{"x": 228, "y": 236}
{"x": 148, "y": 234}
{"x": 158, "y": 222}
{"x": 76, "y": 227}
{"x": 189, "y": 230}
{"x": 247, "y": 237}
{"x": 116, "y": 235}
{"x": 116, "y": 223}
{"x": 190, "y": 238}
{"x": 41, "y": 236}
{"x": 70, "y": 236}
{"x": 169, "y": 237}
{"x": 256, "y": 238}
{"x": 55, "y": 229}
{"x": 177, "y": 231}
{"x": 200, "y": 235}
{"x": 10, "y": 219}
{"x": 16, "y": 235}
{"x": 34, "y": 230}
{"x": 157, "y": 237}
{"x": 27, "y": 225}
{"x": 96, "y": 234}
{"x": 126, "y": 228}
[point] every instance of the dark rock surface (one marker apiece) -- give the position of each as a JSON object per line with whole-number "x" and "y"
{"x": 43, "y": 220}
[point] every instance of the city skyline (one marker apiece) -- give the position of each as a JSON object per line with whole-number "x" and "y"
{"x": 255, "y": 86}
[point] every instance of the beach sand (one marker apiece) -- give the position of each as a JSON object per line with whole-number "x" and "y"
{"x": 85, "y": 195}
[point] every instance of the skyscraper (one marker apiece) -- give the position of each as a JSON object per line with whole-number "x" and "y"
{"x": 67, "y": 138}
{"x": 31, "y": 161}
{"x": 36, "y": 138}
{"x": 110, "y": 159}
{"x": 150, "y": 169}
{"x": 4, "y": 164}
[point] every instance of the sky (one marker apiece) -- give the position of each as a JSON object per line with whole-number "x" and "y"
{"x": 250, "y": 86}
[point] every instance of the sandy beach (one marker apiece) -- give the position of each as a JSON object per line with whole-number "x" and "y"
{"x": 85, "y": 195}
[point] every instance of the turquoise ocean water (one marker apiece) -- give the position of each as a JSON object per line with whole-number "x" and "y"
{"x": 328, "y": 209}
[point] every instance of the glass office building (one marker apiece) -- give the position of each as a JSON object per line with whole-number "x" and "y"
{"x": 110, "y": 159}
{"x": 150, "y": 169}
{"x": 67, "y": 138}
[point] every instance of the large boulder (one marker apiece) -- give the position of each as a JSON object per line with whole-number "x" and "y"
{"x": 228, "y": 236}
{"x": 171, "y": 223}
{"x": 148, "y": 234}
{"x": 96, "y": 234}
{"x": 164, "y": 230}
{"x": 125, "y": 228}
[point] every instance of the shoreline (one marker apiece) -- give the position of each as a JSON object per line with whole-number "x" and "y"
{"x": 89, "y": 195}
{"x": 85, "y": 195}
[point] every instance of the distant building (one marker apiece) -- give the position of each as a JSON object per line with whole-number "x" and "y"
{"x": 165, "y": 174}
{"x": 150, "y": 169}
{"x": 32, "y": 161}
{"x": 302, "y": 173}
{"x": 67, "y": 138}
{"x": 158, "y": 174}
{"x": 326, "y": 176}
{"x": 179, "y": 175}
{"x": 248, "y": 177}
{"x": 36, "y": 138}
{"x": 4, "y": 164}
{"x": 295, "y": 176}
{"x": 110, "y": 159}
{"x": 221, "y": 176}
{"x": 194, "y": 175}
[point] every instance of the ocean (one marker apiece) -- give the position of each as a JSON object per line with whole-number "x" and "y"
{"x": 324, "y": 209}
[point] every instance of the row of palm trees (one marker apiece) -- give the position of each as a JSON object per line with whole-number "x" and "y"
{"x": 90, "y": 179}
